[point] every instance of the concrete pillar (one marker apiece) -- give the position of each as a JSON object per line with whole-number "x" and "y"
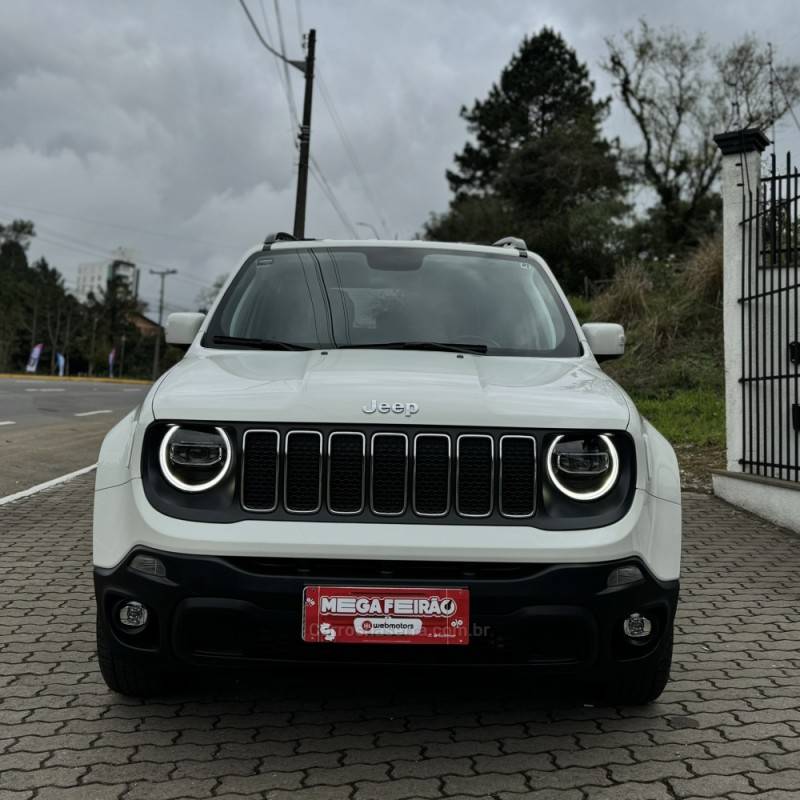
{"x": 741, "y": 168}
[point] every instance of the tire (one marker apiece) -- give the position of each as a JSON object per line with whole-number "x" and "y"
{"x": 638, "y": 686}
{"x": 126, "y": 676}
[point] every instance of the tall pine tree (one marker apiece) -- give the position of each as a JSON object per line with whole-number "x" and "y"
{"x": 538, "y": 165}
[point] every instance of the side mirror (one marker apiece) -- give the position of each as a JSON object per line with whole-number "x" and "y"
{"x": 606, "y": 339}
{"x": 182, "y": 327}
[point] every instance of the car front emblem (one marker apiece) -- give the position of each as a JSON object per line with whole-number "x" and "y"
{"x": 406, "y": 409}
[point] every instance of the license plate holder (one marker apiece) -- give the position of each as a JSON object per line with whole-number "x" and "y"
{"x": 385, "y": 615}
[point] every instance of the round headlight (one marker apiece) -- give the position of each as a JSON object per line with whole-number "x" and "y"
{"x": 195, "y": 459}
{"x": 583, "y": 467}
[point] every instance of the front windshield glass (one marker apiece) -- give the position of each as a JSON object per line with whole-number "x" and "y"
{"x": 372, "y": 296}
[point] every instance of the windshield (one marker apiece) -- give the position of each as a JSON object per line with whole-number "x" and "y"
{"x": 395, "y": 296}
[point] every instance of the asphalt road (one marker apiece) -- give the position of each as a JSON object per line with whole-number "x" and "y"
{"x": 51, "y": 427}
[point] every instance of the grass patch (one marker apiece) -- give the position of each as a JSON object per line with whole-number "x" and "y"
{"x": 687, "y": 416}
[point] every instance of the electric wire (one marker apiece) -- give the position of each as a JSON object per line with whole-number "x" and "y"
{"x": 327, "y": 98}
{"x": 299, "y": 14}
{"x": 314, "y": 168}
{"x": 786, "y": 98}
{"x": 290, "y": 93}
{"x": 67, "y": 242}
{"x": 117, "y": 225}
{"x": 263, "y": 41}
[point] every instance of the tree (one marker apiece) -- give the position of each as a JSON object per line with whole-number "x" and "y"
{"x": 679, "y": 93}
{"x": 539, "y": 166}
{"x": 543, "y": 87}
{"x": 207, "y": 296}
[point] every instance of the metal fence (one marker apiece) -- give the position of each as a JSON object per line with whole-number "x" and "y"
{"x": 770, "y": 328}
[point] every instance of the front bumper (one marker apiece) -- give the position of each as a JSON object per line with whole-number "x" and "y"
{"x": 238, "y": 610}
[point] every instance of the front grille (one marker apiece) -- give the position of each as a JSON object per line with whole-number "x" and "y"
{"x": 389, "y": 476}
{"x": 517, "y": 476}
{"x": 432, "y": 474}
{"x": 303, "y": 472}
{"x": 384, "y": 474}
{"x": 260, "y": 473}
{"x": 475, "y": 482}
{"x": 346, "y": 461}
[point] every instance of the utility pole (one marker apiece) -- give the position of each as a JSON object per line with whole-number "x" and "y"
{"x": 772, "y": 96}
{"x": 162, "y": 274}
{"x": 307, "y": 69}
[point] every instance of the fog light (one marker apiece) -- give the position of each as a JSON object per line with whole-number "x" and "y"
{"x": 637, "y": 627}
{"x": 630, "y": 573}
{"x": 133, "y": 615}
{"x": 149, "y": 565}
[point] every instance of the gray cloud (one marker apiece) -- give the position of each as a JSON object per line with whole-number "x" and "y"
{"x": 169, "y": 118}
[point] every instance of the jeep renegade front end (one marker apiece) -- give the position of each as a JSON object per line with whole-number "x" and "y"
{"x": 388, "y": 452}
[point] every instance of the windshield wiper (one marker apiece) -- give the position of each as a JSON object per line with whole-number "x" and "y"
{"x": 259, "y": 344}
{"x": 449, "y": 347}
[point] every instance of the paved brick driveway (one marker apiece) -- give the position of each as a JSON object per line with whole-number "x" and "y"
{"x": 728, "y": 725}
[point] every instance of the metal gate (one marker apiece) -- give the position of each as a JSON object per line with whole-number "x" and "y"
{"x": 770, "y": 329}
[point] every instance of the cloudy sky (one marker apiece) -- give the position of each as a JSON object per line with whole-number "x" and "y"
{"x": 163, "y": 127}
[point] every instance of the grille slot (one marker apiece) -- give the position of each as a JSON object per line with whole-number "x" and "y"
{"x": 517, "y": 476}
{"x": 474, "y": 475}
{"x": 346, "y": 453}
{"x": 260, "y": 470}
{"x": 389, "y": 474}
{"x": 431, "y": 488}
{"x": 303, "y": 472}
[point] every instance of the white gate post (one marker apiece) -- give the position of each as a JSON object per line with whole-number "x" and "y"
{"x": 741, "y": 169}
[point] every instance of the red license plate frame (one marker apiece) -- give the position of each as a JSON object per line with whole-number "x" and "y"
{"x": 386, "y": 615}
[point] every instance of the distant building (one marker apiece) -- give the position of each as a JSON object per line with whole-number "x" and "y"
{"x": 145, "y": 325}
{"x": 94, "y": 278}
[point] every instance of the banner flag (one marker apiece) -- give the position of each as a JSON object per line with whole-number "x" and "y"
{"x": 33, "y": 359}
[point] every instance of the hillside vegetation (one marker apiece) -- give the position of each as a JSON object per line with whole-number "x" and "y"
{"x": 673, "y": 366}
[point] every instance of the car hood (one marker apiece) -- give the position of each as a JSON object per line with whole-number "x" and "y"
{"x": 445, "y": 388}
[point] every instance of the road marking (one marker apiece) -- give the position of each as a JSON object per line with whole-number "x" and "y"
{"x": 46, "y": 485}
{"x": 45, "y": 390}
{"x": 92, "y": 413}
{"x": 8, "y": 422}
{"x": 132, "y": 390}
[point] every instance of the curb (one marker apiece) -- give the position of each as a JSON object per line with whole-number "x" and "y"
{"x": 27, "y": 376}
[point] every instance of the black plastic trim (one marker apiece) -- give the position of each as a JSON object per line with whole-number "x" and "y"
{"x": 554, "y": 511}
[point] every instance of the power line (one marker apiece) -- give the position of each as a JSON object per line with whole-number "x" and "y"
{"x": 299, "y": 15}
{"x": 327, "y": 190}
{"x": 264, "y": 42}
{"x": 314, "y": 168}
{"x": 786, "y": 98}
{"x": 350, "y": 151}
{"x": 289, "y": 90}
{"x": 81, "y": 247}
{"x": 99, "y": 250}
{"x": 89, "y": 221}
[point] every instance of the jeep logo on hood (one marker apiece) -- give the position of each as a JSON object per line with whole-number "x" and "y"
{"x": 407, "y": 409}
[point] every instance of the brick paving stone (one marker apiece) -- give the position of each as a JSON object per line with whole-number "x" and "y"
{"x": 728, "y": 725}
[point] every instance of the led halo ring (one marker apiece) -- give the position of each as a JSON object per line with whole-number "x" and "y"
{"x": 190, "y": 487}
{"x": 597, "y": 493}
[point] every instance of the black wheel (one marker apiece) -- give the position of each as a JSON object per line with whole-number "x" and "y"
{"x": 129, "y": 677}
{"x": 638, "y": 686}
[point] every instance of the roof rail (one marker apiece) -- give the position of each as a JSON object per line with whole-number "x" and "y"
{"x": 278, "y": 236}
{"x": 513, "y": 241}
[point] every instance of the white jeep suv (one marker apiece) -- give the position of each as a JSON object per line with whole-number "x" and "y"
{"x": 388, "y": 452}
